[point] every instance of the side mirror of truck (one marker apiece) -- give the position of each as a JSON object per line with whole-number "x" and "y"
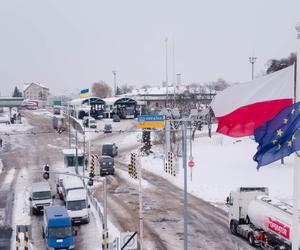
{"x": 30, "y": 198}
{"x": 89, "y": 206}
{"x": 75, "y": 233}
{"x": 53, "y": 196}
{"x": 228, "y": 202}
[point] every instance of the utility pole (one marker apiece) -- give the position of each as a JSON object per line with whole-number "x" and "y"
{"x": 69, "y": 126}
{"x": 115, "y": 81}
{"x": 141, "y": 217}
{"x": 252, "y": 60}
{"x": 167, "y": 82}
{"x": 184, "y": 163}
{"x": 296, "y": 177}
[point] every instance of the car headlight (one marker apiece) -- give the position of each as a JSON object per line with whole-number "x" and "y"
{"x": 72, "y": 247}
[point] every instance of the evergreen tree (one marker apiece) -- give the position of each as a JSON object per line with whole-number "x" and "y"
{"x": 17, "y": 92}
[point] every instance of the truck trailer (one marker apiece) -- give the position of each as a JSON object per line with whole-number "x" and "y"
{"x": 264, "y": 221}
{"x": 57, "y": 228}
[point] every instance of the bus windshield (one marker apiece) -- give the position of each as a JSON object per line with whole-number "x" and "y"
{"x": 59, "y": 232}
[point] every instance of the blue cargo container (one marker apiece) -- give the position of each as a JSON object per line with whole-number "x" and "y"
{"x": 57, "y": 228}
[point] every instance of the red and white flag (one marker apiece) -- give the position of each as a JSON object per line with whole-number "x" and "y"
{"x": 243, "y": 107}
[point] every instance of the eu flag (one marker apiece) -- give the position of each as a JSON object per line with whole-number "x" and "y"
{"x": 279, "y": 136}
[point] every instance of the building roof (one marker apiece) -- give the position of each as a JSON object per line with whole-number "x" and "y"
{"x": 26, "y": 85}
{"x": 72, "y": 152}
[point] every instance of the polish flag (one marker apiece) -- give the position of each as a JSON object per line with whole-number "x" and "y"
{"x": 243, "y": 107}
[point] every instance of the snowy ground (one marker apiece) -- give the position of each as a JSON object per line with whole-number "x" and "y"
{"x": 222, "y": 164}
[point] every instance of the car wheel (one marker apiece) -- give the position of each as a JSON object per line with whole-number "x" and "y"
{"x": 233, "y": 226}
{"x": 251, "y": 239}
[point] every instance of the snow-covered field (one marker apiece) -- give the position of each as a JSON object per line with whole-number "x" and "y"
{"x": 222, "y": 164}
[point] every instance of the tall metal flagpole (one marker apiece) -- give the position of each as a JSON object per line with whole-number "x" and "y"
{"x": 296, "y": 193}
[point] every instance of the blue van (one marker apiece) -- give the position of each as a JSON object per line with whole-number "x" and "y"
{"x": 57, "y": 228}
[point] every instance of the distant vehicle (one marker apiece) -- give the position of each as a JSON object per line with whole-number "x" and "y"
{"x": 107, "y": 128}
{"x": 81, "y": 114}
{"x": 89, "y": 122}
{"x": 110, "y": 149}
{"x": 116, "y": 118}
{"x": 57, "y": 228}
{"x": 56, "y": 110}
{"x": 77, "y": 205}
{"x": 107, "y": 165}
{"x": 5, "y": 120}
{"x": 30, "y": 104}
{"x": 40, "y": 197}
{"x": 59, "y": 122}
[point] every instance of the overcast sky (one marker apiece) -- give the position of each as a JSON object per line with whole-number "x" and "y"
{"x": 68, "y": 45}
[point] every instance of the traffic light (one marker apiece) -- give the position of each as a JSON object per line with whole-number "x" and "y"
{"x": 46, "y": 174}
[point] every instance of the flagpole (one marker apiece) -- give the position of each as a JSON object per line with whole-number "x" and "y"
{"x": 296, "y": 178}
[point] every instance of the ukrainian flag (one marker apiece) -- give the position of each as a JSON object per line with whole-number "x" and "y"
{"x": 84, "y": 93}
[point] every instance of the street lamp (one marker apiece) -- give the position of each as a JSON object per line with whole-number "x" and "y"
{"x": 115, "y": 81}
{"x": 252, "y": 60}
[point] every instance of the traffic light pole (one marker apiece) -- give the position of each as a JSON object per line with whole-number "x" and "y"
{"x": 141, "y": 216}
{"x": 184, "y": 163}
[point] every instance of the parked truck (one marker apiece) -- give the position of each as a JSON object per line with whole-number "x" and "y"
{"x": 77, "y": 206}
{"x": 74, "y": 195}
{"x": 264, "y": 221}
{"x": 57, "y": 228}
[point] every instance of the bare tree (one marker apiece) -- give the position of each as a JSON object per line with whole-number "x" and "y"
{"x": 125, "y": 88}
{"x": 218, "y": 85}
{"x": 101, "y": 89}
{"x": 274, "y": 65}
{"x": 146, "y": 86}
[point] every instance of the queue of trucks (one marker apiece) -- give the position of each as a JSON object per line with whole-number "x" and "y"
{"x": 264, "y": 221}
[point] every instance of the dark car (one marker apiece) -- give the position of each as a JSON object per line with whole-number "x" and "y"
{"x": 116, "y": 118}
{"x": 107, "y": 165}
{"x": 107, "y": 128}
{"x": 110, "y": 149}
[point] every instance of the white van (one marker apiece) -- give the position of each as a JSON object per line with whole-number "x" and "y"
{"x": 77, "y": 206}
{"x": 40, "y": 197}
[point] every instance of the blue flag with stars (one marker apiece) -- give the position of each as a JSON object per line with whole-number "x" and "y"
{"x": 279, "y": 136}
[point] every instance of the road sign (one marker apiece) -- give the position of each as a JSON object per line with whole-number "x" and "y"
{"x": 128, "y": 241}
{"x": 191, "y": 163}
{"x": 151, "y": 121}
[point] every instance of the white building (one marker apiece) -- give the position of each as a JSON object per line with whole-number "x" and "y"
{"x": 35, "y": 91}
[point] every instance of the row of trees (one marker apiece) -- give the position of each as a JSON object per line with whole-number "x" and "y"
{"x": 102, "y": 90}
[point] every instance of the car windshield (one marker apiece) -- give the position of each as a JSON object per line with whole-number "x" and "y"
{"x": 108, "y": 126}
{"x": 41, "y": 195}
{"x": 92, "y": 121}
{"x": 59, "y": 232}
{"x": 76, "y": 205}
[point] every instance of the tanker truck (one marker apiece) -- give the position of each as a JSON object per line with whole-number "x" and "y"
{"x": 264, "y": 221}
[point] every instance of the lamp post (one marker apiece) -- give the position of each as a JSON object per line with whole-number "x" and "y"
{"x": 115, "y": 81}
{"x": 296, "y": 192}
{"x": 252, "y": 60}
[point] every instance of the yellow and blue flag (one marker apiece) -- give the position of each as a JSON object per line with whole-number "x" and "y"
{"x": 279, "y": 136}
{"x": 84, "y": 93}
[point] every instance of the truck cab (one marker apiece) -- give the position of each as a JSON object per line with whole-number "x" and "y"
{"x": 57, "y": 228}
{"x": 40, "y": 197}
{"x": 238, "y": 202}
{"x": 77, "y": 206}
